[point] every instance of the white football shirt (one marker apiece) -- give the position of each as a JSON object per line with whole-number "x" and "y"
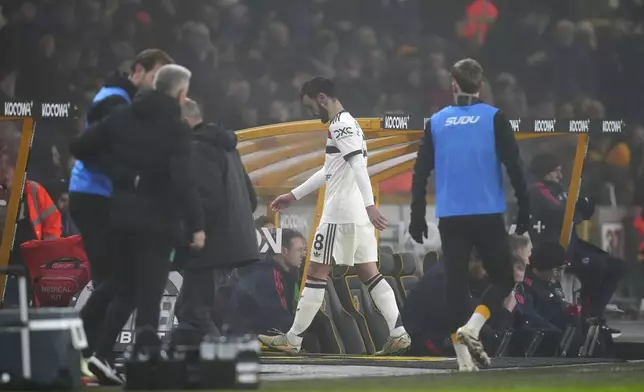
{"x": 342, "y": 198}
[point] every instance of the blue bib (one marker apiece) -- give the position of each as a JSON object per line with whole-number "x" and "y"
{"x": 468, "y": 173}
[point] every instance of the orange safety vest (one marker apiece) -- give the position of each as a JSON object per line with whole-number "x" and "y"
{"x": 43, "y": 214}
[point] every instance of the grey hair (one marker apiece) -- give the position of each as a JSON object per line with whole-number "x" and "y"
{"x": 171, "y": 79}
{"x": 519, "y": 242}
{"x": 190, "y": 109}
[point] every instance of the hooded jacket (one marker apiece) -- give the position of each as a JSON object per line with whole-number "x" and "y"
{"x": 144, "y": 149}
{"x": 228, "y": 199}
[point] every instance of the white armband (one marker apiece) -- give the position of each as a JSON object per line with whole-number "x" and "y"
{"x": 359, "y": 165}
{"x": 312, "y": 184}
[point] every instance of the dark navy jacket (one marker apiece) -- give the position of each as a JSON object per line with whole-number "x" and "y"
{"x": 263, "y": 298}
{"x": 548, "y": 310}
{"x": 425, "y": 307}
{"x": 117, "y": 91}
{"x": 527, "y": 315}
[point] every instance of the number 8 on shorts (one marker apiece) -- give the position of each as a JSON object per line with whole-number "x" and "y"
{"x": 344, "y": 244}
{"x": 323, "y": 244}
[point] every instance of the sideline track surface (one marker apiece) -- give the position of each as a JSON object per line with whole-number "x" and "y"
{"x": 423, "y": 362}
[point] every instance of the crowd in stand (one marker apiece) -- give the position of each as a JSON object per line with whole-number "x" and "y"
{"x": 249, "y": 58}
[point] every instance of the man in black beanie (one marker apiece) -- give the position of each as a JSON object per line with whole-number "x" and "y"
{"x": 598, "y": 272}
{"x": 541, "y": 305}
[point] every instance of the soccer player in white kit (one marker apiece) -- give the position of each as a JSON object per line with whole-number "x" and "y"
{"x": 346, "y": 234}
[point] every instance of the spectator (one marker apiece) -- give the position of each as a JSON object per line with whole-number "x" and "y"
{"x": 598, "y": 272}
{"x": 264, "y": 299}
{"x": 509, "y": 97}
{"x": 521, "y": 246}
{"x": 539, "y": 307}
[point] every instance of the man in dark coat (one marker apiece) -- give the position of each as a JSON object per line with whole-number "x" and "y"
{"x": 90, "y": 191}
{"x": 597, "y": 270}
{"x": 145, "y": 151}
{"x": 228, "y": 199}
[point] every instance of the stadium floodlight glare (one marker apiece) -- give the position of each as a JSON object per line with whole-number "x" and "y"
{"x": 279, "y": 157}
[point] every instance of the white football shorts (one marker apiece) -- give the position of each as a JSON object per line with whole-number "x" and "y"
{"x": 344, "y": 244}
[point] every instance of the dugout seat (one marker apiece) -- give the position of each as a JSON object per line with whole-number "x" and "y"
{"x": 388, "y": 271}
{"x": 338, "y": 274}
{"x": 385, "y": 249}
{"x": 406, "y": 272}
{"x": 430, "y": 260}
{"x": 347, "y": 327}
{"x": 356, "y": 299}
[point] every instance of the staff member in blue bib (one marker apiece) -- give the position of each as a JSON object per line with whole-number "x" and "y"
{"x": 465, "y": 145}
{"x": 90, "y": 190}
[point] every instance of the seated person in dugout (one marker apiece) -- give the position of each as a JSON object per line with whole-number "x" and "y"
{"x": 265, "y": 297}
{"x": 541, "y": 305}
{"x": 521, "y": 246}
{"x": 597, "y": 270}
{"x": 425, "y": 310}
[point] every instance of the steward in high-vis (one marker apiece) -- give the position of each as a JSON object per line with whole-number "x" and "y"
{"x": 90, "y": 192}
{"x": 465, "y": 145}
{"x": 43, "y": 214}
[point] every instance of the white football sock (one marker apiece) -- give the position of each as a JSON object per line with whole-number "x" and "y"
{"x": 385, "y": 300}
{"x": 307, "y": 307}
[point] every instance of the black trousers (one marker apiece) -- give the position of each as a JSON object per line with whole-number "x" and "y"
{"x": 142, "y": 264}
{"x": 199, "y": 306}
{"x": 91, "y": 213}
{"x": 486, "y": 233}
{"x": 599, "y": 274}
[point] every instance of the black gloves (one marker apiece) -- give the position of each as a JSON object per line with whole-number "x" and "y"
{"x": 585, "y": 207}
{"x": 523, "y": 221}
{"x": 418, "y": 229}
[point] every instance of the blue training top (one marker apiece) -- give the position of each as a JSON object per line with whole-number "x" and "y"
{"x": 88, "y": 180}
{"x": 468, "y": 173}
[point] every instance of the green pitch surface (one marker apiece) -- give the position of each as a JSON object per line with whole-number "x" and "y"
{"x": 608, "y": 378}
{"x": 622, "y": 377}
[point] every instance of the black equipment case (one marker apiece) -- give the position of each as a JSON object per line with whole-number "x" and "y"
{"x": 40, "y": 348}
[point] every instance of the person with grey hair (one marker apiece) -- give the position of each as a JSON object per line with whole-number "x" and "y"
{"x": 144, "y": 149}
{"x": 228, "y": 199}
{"x": 90, "y": 192}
